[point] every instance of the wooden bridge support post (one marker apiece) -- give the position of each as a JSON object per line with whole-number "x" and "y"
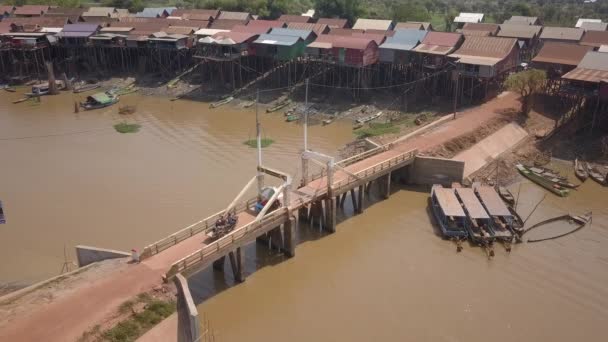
{"x": 354, "y": 200}
{"x": 237, "y": 263}
{"x": 361, "y": 195}
{"x": 289, "y": 236}
{"x": 330, "y": 212}
{"x": 386, "y": 186}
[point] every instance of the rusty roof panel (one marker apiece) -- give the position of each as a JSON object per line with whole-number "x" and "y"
{"x": 493, "y": 47}
{"x": 561, "y": 53}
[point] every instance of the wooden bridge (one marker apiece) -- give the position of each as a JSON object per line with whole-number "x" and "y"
{"x": 190, "y": 250}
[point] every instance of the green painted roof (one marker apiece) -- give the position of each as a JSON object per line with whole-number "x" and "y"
{"x": 102, "y": 98}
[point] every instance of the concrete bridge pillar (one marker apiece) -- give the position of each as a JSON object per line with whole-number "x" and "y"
{"x": 237, "y": 263}
{"x": 330, "y": 214}
{"x": 361, "y": 196}
{"x": 289, "y": 236}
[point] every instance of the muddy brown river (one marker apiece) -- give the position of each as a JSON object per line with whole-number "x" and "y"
{"x": 68, "y": 179}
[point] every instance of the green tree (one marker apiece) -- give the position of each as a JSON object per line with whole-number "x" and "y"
{"x": 410, "y": 11}
{"x": 347, "y": 9}
{"x": 526, "y": 83}
{"x": 131, "y": 5}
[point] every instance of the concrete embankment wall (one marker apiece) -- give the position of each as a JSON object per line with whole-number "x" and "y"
{"x": 188, "y": 324}
{"x": 430, "y": 170}
{"x": 87, "y": 255}
{"x": 491, "y": 147}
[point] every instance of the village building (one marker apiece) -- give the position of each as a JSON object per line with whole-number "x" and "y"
{"x": 590, "y": 77}
{"x": 207, "y": 32}
{"x": 417, "y": 25}
{"x": 73, "y": 14}
{"x": 308, "y": 36}
{"x": 266, "y": 24}
{"x": 333, "y": 22}
{"x": 77, "y": 35}
{"x": 486, "y": 57}
{"x": 251, "y": 29}
{"x": 581, "y": 21}
{"x": 435, "y": 47}
{"x": 241, "y": 16}
{"x": 522, "y": 20}
{"x": 398, "y": 48}
{"x": 347, "y": 51}
{"x": 561, "y": 34}
{"x": 99, "y": 14}
{"x": 595, "y": 38}
{"x": 283, "y": 44}
{"x": 225, "y": 46}
{"x": 344, "y": 31}
{"x": 479, "y": 29}
{"x": 196, "y": 14}
{"x": 373, "y": 24}
{"x": 317, "y": 28}
{"x": 164, "y": 41}
{"x": 30, "y": 11}
{"x": 587, "y": 26}
{"x": 527, "y": 37}
{"x": 109, "y": 40}
{"x": 155, "y": 12}
{"x": 465, "y": 17}
{"x": 227, "y": 24}
{"x": 287, "y": 18}
{"x": 559, "y": 58}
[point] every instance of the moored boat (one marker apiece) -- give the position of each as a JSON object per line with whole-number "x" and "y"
{"x": 579, "y": 221}
{"x": 542, "y": 181}
{"x": 448, "y": 213}
{"x": 292, "y": 117}
{"x": 580, "y": 169}
{"x": 99, "y": 100}
{"x": 596, "y": 175}
{"x": 501, "y": 218}
{"x": 86, "y": 87}
{"x": 478, "y": 221}
{"x": 505, "y": 194}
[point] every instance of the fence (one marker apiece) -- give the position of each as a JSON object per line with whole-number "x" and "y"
{"x": 228, "y": 242}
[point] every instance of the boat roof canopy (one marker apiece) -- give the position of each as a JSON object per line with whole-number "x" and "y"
{"x": 447, "y": 201}
{"x": 101, "y": 97}
{"x": 492, "y": 202}
{"x": 471, "y": 203}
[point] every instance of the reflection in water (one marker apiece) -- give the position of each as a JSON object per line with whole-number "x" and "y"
{"x": 384, "y": 276}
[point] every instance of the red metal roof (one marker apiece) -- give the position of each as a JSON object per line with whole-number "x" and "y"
{"x": 378, "y": 38}
{"x": 316, "y": 28}
{"x": 238, "y": 37}
{"x": 295, "y": 18}
{"x": 447, "y": 39}
{"x": 344, "y": 31}
{"x": 31, "y": 10}
{"x": 353, "y": 43}
{"x": 195, "y": 13}
{"x": 333, "y": 22}
{"x": 266, "y": 23}
{"x": 251, "y": 29}
{"x": 494, "y": 47}
{"x": 561, "y": 53}
{"x": 595, "y": 38}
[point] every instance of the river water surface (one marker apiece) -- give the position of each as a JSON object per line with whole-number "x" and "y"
{"x": 70, "y": 179}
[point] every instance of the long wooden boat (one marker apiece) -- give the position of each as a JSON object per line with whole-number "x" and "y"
{"x": 596, "y": 175}
{"x": 580, "y": 170}
{"x": 478, "y": 221}
{"x": 505, "y": 194}
{"x": 278, "y": 106}
{"x": 23, "y": 99}
{"x": 99, "y": 100}
{"x": 221, "y": 102}
{"x": 448, "y": 213}
{"x": 369, "y": 118}
{"x": 579, "y": 220}
{"x": 501, "y": 218}
{"x": 542, "y": 181}
{"x": 554, "y": 177}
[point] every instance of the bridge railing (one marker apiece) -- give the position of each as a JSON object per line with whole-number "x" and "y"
{"x": 187, "y": 232}
{"x": 345, "y": 184}
{"x": 361, "y": 156}
{"x": 228, "y": 242}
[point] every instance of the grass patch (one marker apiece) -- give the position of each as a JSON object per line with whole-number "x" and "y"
{"x": 254, "y": 143}
{"x": 124, "y": 127}
{"x": 376, "y": 129}
{"x": 131, "y": 329}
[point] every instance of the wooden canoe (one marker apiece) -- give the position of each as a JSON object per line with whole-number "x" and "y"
{"x": 580, "y": 169}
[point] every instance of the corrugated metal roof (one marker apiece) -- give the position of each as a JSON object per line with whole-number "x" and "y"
{"x": 99, "y": 12}
{"x": 333, "y": 22}
{"x": 226, "y": 24}
{"x": 580, "y": 22}
{"x": 354, "y": 43}
{"x": 31, "y": 10}
{"x": 373, "y": 24}
{"x": 288, "y": 18}
{"x": 208, "y": 32}
{"x": 594, "y": 26}
{"x": 227, "y": 15}
{"x": 409, "y": 25}
{"x": 474, "y": 33}
{"x": 522, "y": 20}
{"x": 465, "y": 17}
{"x": 268, "y": 24}
{"x": 586, "y": 75}
{"x": 448, "y": 202}
{"x": 471, "y": 203}
{"x": 595, "y": 38}
{"x": 492, "y": 202}
{"x": 492, "y": 28}
{"x": 80, "y": 28}
{"x": 603, "y": 48}
{"x": 404, "y": 39}
{"x": 493, "y": 47}
{"x": 275, "y": 39}
{"x": 7, "y": 9}
{"x": 316, "y": 28}
{"x": 187, "y": 30}
{"x": 344, "y": 31}
{"x": 561, "y": 53}
{"x": 562, "y": 33}
{"x": 378, "y": 38}
{"x": 153, "y": 12}
{"x": 251, "y": 29}
{"x": 519, "y": 31}
{"x": 304, "y": 34}
{"x": 189, "y": 13}
{"x": 237, "y": 37}
{"x": 594, "y": 60}
{"x": 116, "y": 29}
{"x": 447, "y": 39}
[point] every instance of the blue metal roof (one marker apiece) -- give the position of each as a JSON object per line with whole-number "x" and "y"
{"x": 153, "y": 12}
{"x": 276, "y": 39}
{"x": 304, "y": 34}
{"x": 404, "y": 39}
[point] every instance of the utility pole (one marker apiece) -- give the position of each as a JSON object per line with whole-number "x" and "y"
{"x": 258, "y": 132}
{"x": 304, "y": 157}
